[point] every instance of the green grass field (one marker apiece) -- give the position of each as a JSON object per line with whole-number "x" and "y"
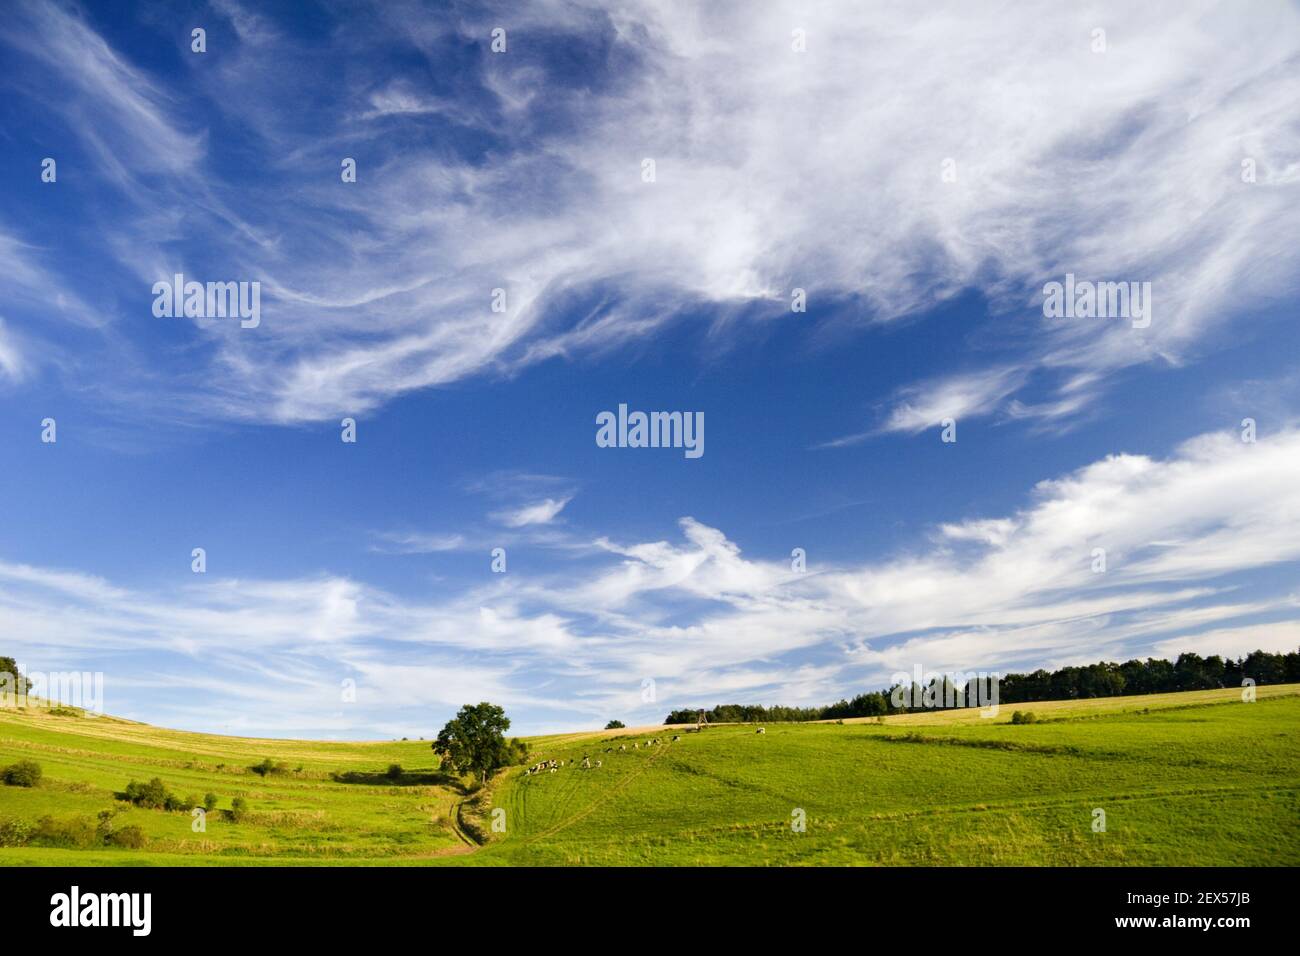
{"x": 1184, "y": 779}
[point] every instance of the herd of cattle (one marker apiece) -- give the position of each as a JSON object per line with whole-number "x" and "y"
{"x": 551, "y": 766}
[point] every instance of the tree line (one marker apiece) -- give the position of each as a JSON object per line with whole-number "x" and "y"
{"x": 1103, "y": 679}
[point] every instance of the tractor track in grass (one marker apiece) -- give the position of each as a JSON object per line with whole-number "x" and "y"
{"x": 469, "y": 845}
{"x": 601, "y": 800}
{"x": 1003, "y": 807}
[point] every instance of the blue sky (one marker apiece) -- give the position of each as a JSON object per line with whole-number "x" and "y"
{"x": 921, "y": 176}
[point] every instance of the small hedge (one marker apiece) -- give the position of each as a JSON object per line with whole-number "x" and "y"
{"x": 24, "y": 773}
{"x": 79, "y": 832}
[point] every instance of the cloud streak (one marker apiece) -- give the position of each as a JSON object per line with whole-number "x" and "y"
{"x": 705, "y": 621}
{"x": 774, "y": 170}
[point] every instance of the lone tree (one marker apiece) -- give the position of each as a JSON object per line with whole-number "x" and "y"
{"x": 615, "y": 725}
{"x": 13, "y": 685}
{"x": 474, "y": 741}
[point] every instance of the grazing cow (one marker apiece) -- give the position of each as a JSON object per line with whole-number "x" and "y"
{"x": 623, "y": 747}
{"x": 761, "y": 731}
{"x": 676, "y": 737}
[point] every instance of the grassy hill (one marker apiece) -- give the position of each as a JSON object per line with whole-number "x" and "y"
{"x": 1197, "y": 778}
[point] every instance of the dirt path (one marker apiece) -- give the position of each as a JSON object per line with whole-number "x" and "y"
{"x": 458, "y": 829}
{"x": 470, "y": 845}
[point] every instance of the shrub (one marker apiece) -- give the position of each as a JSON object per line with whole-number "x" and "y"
{"x": 268, "y": 766}
{"x": 1024, "y": 717}
{"x": 79, "y": 832}
{"x": 152, "y": 795}
{"x": 76, "y": 832}
{"x": 209, "y": 802}
{"x": 24, "y": 773}
{"x": 238, "y": 809}
{"x": 104, "y": 828}
{"x": 131, "y": 838}
{"x": 615, "y": 725}
{"x": 394, "y": 771}
{"x": 15, "y": 832}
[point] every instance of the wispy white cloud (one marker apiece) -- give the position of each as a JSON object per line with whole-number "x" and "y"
{"x": 123, "y": 114}
{"x": 417, "y": 543}
{"x": 955, "y": 398}
{"x": 12, "y": 364}
{"x": 1278, "y": 637}
{"x": 774, "y": 170}
{"x": 539, "y": 512}
{"x": 705, "y": 621}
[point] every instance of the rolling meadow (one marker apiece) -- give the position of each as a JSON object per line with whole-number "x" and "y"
{"x": 1197, "y": 778}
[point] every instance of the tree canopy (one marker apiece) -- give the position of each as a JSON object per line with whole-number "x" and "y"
{"x": 1103, "y": 679}
{"x": 474, "y": 741}
{"x": 12, "y": 680}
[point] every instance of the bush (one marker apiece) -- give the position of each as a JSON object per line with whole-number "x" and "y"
{"x": 80, "y": 832}
{"x": 15, "y": 832}
{"x": 1024, "y": 717}
{"x": 268, "y": 766}
{"x": 152, "y": 795}
{"x": 209, "y": 802}
{"x": 131, "y": 838}
{"x": 24, "y": 773}
{"x": 615, "y": 725}
{"x": 394, "y": 771}
{"x": 238, "y": 809}
{"x": 76, "y": 832}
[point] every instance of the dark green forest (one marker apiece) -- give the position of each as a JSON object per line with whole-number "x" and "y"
{"x": 1103, "y": 679}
